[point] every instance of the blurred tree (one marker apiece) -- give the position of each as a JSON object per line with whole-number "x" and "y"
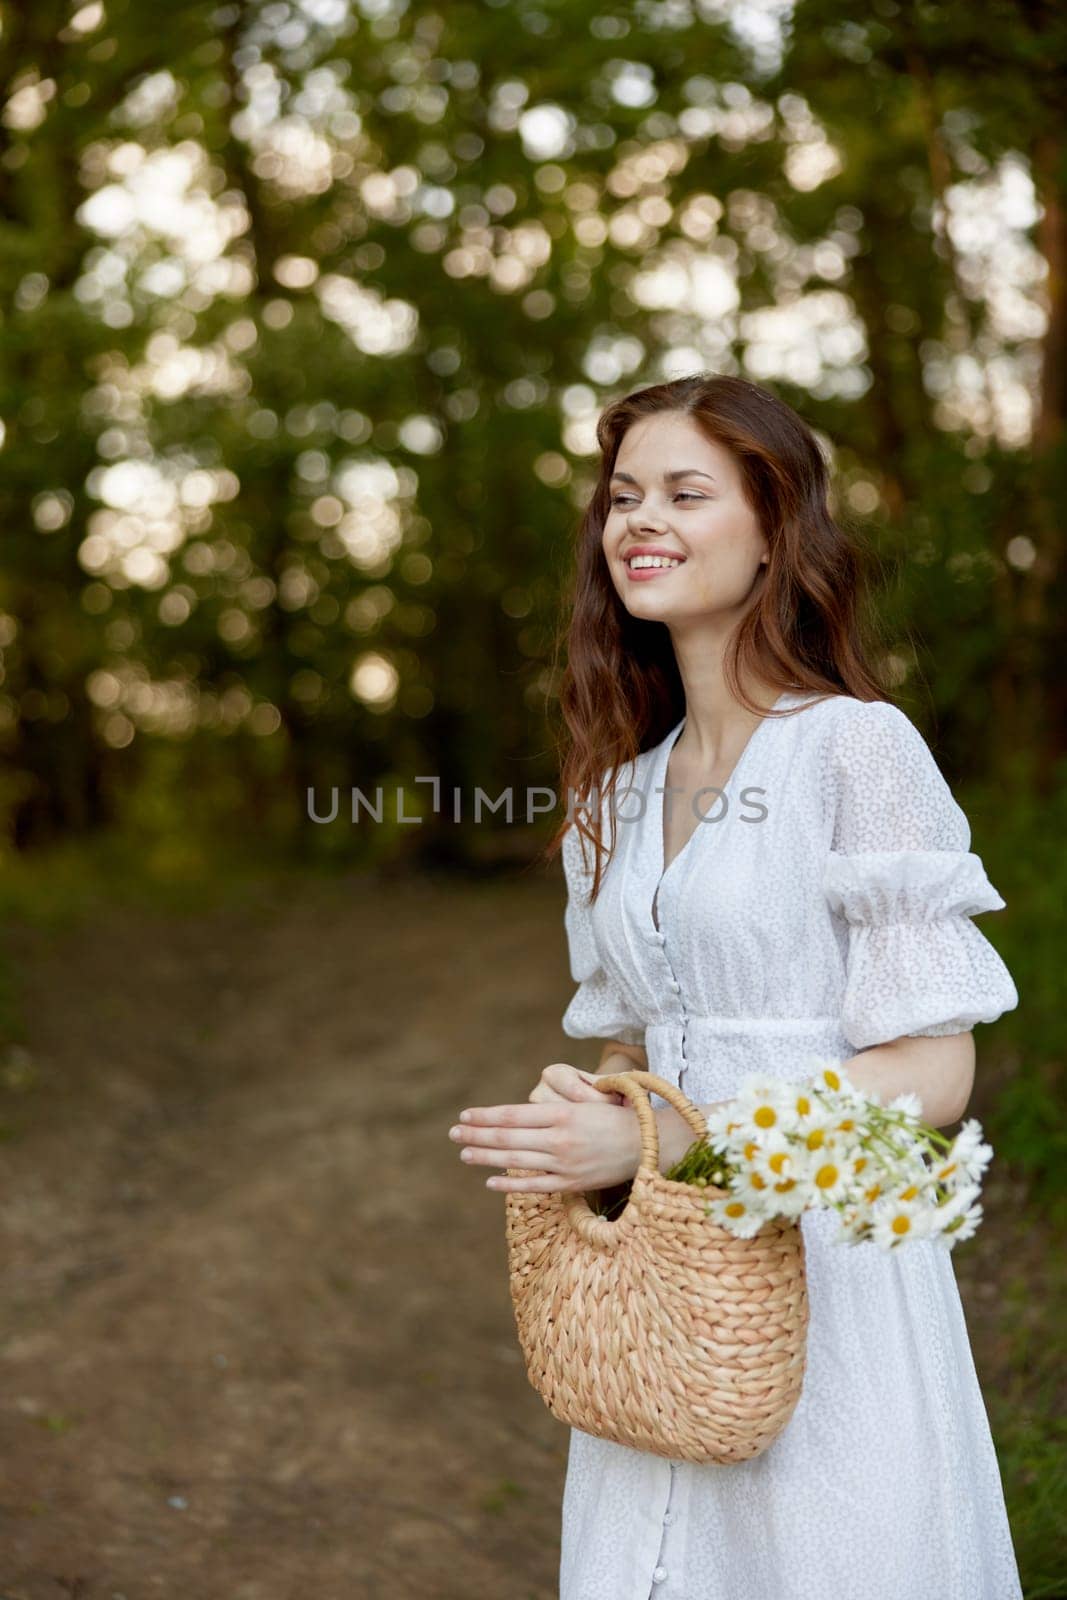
{"x": 311, "y": 309}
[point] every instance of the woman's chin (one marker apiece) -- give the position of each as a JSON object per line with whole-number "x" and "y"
{"x": 659, "y": 609}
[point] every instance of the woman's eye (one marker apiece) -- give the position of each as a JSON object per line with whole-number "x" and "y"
{"x": 683, "y": 494}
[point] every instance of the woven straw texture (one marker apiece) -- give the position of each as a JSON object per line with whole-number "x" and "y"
{"x": 658, "y": 1330}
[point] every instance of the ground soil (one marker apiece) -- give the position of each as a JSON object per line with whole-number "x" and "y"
{"x": 256, "y": 1338}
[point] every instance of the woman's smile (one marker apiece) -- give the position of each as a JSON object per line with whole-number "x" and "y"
{"x": 649, "y": 561}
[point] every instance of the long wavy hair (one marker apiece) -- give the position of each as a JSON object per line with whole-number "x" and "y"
{"x": 810, "y": 628}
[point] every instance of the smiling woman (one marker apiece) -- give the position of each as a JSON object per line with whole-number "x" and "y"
{"x": 714, "y": 648}
{"x": 710, "y": 518}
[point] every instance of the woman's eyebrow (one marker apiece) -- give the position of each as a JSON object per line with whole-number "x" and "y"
{"x": 668, "y": 477}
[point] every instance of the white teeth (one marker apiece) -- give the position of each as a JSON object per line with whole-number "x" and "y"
{"x": 652, "y": 561}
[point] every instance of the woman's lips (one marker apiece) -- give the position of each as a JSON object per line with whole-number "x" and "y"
{"x": 640, "y": 574}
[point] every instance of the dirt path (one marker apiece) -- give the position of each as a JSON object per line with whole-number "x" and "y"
{"x": 256, "y": 1336}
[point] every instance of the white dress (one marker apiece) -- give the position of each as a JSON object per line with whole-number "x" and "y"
{"x": 826, "y": 910}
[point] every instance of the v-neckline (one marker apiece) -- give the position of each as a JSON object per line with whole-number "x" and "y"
{"x": 659, "y": 786}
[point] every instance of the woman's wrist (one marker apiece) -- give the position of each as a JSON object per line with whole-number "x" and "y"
{"x": 616, "y": 1062}
{"x": 675, "y": 1136}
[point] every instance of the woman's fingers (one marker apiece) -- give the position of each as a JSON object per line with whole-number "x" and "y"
{"x": 545, "y": 1139}
{"x": 549, "y": 1184}
{"x": 487, "y": 1156}
{"x": 513, "y": 1116}
{"x": 541, "y": 1093}
{"x": 567, "y": 1081}
{"x": 501, "y": 1134}
{"x": 573, "y": 1084}
{"x": 539, "y": 1135}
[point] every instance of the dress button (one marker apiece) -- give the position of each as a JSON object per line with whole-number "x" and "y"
{"x": 674, "y": 987}
{"x": 668, "y": 1518}
{"x": 660, "y": 1574}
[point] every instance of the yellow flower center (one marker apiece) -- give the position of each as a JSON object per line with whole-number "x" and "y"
{"x": 946, "y": 1172}
{"x": 831, "y": 1079}
{"x": 846, "y": 1126}
{"x": 784, "y": 1187}
{"x": 756, "y": 1181}
{"x": 750, "y": 1149}
{"x": 765, "y": 1117}
{"x": 909, "y": 1193}
{"x": 826, "y": 1176}
{"x": 803, "y": 1105}
{"x": 873, "y": 1192}
{"x": 735, "y": 1209}
{"x": 859, "y": 1164}
{"x": 816, "y": 1139}
{"x": 901, "y": 1224}
{"x": 777, "y": 1161}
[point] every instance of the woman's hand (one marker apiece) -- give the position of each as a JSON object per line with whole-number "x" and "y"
{"x": 561, "y": 1081}
{"x": 571, "y": 1136}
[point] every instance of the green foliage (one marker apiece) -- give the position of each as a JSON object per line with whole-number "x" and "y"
{"x": 307, "y": 330}
{"x": 1019, "y": 837}
{"x": 1033, "y": 1462}
{"x": 1026, "y": 1418}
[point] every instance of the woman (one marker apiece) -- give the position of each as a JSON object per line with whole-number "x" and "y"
{"x": 819, "y": 906}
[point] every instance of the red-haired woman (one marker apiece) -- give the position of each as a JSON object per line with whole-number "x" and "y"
{"x": 819, "y": 906}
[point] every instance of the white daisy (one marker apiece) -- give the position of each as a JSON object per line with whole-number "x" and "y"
{"x": 969, "y": 1150}
{"x": 750, "y": 1187}
{"x": 772, "y": 1156}
{"x": 955, "y": 1206}
{"x": 763, "y": 1104}
{"x": 776, "y": 1171}
{"x": 962, "y": 1228}
{"x": 830, "y": 1178}
{"x": 724, "y": 1126}
{"x": 738, "y": 1218}
{"x": 895, "y": 1220}
{"x": 801, "y": 1099}
{"x": 816, "y": 1128}
{"x": 831, "y": 1075}
{"x": 863, "y": 1171}
{"x": 789, "y": 1197}
{"x": 909, "y": 1104}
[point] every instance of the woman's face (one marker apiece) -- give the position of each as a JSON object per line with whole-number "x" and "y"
{"x": 698, "y": 516}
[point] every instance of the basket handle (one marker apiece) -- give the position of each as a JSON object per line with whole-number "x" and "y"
{"x": 634, "y": 1086}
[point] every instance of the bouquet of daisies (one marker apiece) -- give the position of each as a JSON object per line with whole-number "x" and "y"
{"x": 779, "y": 1149}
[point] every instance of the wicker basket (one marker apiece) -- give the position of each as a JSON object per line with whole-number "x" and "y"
{"x": 660, "y": 1330}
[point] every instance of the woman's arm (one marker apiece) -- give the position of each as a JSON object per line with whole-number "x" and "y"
{"x": 939, "y": 1070}
{"x": 635, "y": 1056}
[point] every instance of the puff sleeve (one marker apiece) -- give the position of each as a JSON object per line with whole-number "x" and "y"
{"x": 902, "y": 876}
{"x": 600, "y": 1009}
